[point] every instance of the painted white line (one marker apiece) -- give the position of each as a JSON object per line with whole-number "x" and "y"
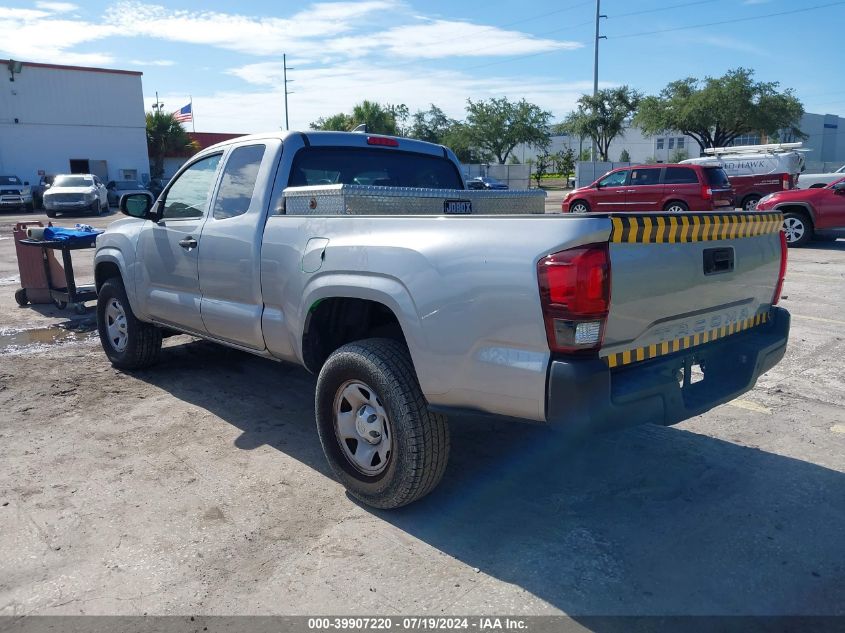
{"x": 750, "y": 406}
{"x": 820, "y": 319}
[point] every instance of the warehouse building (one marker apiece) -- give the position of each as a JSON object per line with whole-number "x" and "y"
{"x": 67, "y": 119}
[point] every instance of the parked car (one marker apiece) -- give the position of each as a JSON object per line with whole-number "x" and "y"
{"x": 755, "y": 171}
{"x": 809, "y": 213}
{"x": 662, "y": 187}
{"x": 485, "y": 182}
{"x": 76, "y": 192}
{"x": 44, "y": 183}
{"x": 15, "y": 194}
{"x": 404, "y": 322}
{"x": 116, "y": 189}
{"x": 157, "y": 185}
{"x": 813, "y": 181}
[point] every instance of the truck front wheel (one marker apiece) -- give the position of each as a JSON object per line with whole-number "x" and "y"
{"x": 377, "y": 432}
{"x": 128, "y": 342}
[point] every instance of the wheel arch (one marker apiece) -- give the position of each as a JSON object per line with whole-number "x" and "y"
{"x": 336, "y": 315}
{"x": 798, "y": 207}
{"x": 108, "y": 263}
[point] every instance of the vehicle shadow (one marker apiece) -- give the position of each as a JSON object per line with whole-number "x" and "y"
{"x": 649, "y": 520}
{"x": 826, "y": 245}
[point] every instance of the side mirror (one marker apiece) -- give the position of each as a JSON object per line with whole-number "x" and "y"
{"x": 839, "y": 188}
{"x": 137, "y": 205}
{"x": 597, "y": 185}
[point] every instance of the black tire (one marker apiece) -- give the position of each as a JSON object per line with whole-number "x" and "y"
{"x": 20, "y": 297}
{"x": 798, "y": 228}
{"x": 143, "y": 341}
{"x": 676, "y": 206}
{"x": 579, "y": 206}
{"x": 419, "y": 448}
{"x": 96, "y": 207}
{"x": 50, "y": 213}
{"x": 749, "y": 203}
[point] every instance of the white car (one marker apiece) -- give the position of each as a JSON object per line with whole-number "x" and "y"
{"x": 811, "y": 181}
{"x": 76, "y": 192}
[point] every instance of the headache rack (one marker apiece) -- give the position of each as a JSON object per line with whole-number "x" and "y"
{"x": 372, "y": 200}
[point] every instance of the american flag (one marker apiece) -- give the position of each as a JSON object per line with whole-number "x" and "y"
{"x": 184, "y": 114}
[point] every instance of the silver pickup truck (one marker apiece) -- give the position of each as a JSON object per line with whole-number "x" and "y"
{"x": 364, "y": 259}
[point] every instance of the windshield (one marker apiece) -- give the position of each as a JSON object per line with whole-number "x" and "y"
{"x": 128, "y": 184}
{"x": 716, "y": 177}
{"x": 73, "y": 181}
{"x": 9, "y": 180}
{"x": 381, "y": 168}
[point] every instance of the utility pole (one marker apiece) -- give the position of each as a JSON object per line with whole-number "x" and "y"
{"x": 285, "y": 70}
{"x": 599, "y": 16}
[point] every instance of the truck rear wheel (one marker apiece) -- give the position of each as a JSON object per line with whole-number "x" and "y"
{"x": 750, "y": 202}
{"x": 128, "y": 342}
{"x": 377, "y": 432}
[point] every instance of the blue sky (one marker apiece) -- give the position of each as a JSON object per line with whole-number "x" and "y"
{"x": 227, "y": 56}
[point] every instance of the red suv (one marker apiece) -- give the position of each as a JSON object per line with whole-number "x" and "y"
{"x": 809, "y": 213}
{"x": 660, "y": 187}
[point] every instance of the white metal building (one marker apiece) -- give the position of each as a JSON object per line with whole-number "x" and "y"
{"x": 67, "y": 119}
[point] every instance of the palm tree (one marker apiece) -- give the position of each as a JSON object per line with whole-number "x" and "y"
{"x": 164, "y": 135}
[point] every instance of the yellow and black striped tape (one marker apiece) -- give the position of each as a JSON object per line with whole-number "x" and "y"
{"x": 685, "y": 342}
{"x": 671, "y": 229}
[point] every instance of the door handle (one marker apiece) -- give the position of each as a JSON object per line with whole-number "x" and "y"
{"x": 188, "y": 243}
{"x": 630, "y": 191}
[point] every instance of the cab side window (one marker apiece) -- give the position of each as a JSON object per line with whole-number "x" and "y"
{"x": 188, "y": 196}
{"x": 616, "y": 179}
{"x": 238, "y": 182}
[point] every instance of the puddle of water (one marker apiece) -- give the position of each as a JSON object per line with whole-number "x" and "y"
{"x": 19, "y": 340}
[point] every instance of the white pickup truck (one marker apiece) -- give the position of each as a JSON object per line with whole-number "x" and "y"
{"x": 364, "y": 259}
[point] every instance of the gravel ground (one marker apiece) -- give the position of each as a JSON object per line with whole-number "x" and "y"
{"x": 199, "y": 486}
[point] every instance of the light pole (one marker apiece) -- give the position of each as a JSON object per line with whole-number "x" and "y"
{"x": 286, "y": 82}
{"x": 599, "y": 16}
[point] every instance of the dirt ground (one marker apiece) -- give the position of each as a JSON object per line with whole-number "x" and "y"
{"x": 199, "y": 487}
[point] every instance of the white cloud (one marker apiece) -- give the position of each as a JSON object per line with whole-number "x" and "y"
{"x": 152, "y": 62}
{"x": 57, "y": 7}
{"x": 452, "y": 38}
{"x": 305, "y": 31}
{"x": 35, "y": 36}
{"x": 326, "y": 91}
{"x": 732, "y": 44}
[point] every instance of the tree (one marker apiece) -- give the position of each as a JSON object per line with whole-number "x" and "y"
{"x": 379, "y": 118}
{"x": 496, "y": 126}
{"x": 678, "y": 155}
{"x": 165, "y": 135}
{"x": 584, "y": 155}
{"x": 602, "y": 117}
{"x": 339, "y": 122}
{"x": 541, "y": 166}
{"x": 431, "y": 125}
{"x": 717, "y": 110}
{"x": 624, "y": 157}
{"x": 567, "y": 165}
{"x": 513, "y": 160}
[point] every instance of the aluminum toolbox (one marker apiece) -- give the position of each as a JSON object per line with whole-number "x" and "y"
{"x": 370, "y": 200}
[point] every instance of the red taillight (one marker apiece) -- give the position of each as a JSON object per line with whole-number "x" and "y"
{"x": 575, "y": 296}
{"x": 706, "y": 192}
{"x": 782, "y": 273}
{"x": 787, "y": 181}
{"x": 382, "y": 140}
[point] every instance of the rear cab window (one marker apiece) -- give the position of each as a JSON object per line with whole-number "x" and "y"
{"x": 363, "y": 166}
{"x": 716, "y": 177}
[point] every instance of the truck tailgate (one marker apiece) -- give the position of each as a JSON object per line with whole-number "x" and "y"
{"x": 683, "y": 280}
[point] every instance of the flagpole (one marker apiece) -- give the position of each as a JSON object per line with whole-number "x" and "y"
{"x": 193, "y": 121}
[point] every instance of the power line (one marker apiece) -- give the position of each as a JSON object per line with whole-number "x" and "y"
{"x": 673, "y": 6}
{"x": 733, "y": 21}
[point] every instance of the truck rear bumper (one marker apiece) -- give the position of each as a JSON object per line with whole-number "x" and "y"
{"x": 586, "y": 395}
